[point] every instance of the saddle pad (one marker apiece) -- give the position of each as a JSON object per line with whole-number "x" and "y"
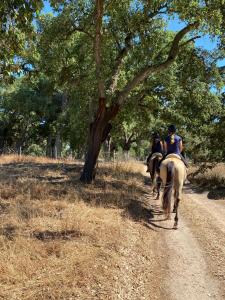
{"x": 156, "y": 154}
{"x": 173, "y": 155}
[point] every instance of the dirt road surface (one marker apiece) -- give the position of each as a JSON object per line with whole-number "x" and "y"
{"x": 191, "y": 260}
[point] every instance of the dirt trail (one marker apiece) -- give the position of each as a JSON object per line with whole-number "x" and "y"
{"x": 194, "y": 255}
{"x": 158, "y": 262}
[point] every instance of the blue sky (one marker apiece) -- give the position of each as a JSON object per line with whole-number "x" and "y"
{"x": 47, "y": 8}
{"x": 205, "y": 41}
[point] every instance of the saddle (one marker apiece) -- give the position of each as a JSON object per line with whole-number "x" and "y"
{"x": 156, "y": 154}
{"x": 173, "y": 155}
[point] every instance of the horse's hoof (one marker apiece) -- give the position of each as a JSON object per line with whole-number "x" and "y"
{"x": 175, "y": 226}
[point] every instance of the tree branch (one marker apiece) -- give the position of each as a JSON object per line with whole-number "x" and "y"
{"x": 119, "y": 60}
{"x": 123, "y": 52}
{"x": 190, "y": 40}
{"x": 158, "y": 11}
{"x": 222, "y": 70}
{"x": 178, "y": 37}
{"x": 97, "y": 48}
{"x": 79, "y": 29}
{"x": 129, "y": 140}
{"x": 144, "y": 73}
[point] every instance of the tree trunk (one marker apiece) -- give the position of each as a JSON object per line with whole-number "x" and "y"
{"x": 51, "y": 150}
{"x": 127, "y": 145}
{"x": 48, "y": 147}
{"x": 126, "y": 155}
{"x": 108, "y": 144}
{"x": 58, "y": 146}
{"x": 2, "y": 144}
{"x": 94, "y": 146}
{"x": 19, "y": 147}
{"x": 54, "y": 149}
{"x": 98, "y": 133}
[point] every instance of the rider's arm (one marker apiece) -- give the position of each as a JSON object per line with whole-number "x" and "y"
{"x": 162, "y": 147}
{"x": 165, "y": 147}
{"x": 181, "y": 146}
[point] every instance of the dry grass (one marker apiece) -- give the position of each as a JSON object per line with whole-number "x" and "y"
{"x": 60, "y": 239}
{"x": 210, "y": 177}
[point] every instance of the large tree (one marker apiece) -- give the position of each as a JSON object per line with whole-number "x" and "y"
{"x": 106, "y": 51}
{"x": 130, "y": 33}
{"x": 134, "y": 30}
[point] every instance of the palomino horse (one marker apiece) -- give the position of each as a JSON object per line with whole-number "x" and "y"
{"x": 153, "y": 167}
{"x": 173, "y": 174}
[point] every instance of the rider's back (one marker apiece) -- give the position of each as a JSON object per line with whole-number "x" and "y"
{"x": 173, "y": 144}
{"x": 157, "y": 147}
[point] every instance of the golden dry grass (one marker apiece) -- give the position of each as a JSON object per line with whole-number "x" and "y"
{"x": 60, "y": 239}
{"x": 211, "y": 177}
{"x": 210, "y": 174}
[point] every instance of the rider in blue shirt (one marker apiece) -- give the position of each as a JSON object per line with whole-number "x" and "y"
{"x": 173, "y": 143}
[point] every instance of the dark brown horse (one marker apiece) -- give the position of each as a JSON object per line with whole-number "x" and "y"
{"x": 153, "y": 168}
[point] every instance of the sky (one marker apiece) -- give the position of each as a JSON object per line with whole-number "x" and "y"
{"x": 205, "y": 42}
{"x": 47, "y": 7}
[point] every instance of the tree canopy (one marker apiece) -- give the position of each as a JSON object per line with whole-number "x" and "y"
{"x": 99, "y": 68}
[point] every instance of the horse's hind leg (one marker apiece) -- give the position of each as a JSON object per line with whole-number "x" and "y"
{"x": 158, "y": 185}
{"x": 176, "y": 214}
{"x": 153, "y": 186}
{"x": 177, "y": 201}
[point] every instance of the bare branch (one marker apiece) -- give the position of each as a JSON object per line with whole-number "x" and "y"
{"x": 190, "y": 40}
{"x": 144, "y": 73}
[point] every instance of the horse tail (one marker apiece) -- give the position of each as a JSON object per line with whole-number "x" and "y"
{"x": 168, "y": 187}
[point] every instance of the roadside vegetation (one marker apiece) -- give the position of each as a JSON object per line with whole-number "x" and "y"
{"x": 60, "y": 239}
{"x": 209, "y": 177}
